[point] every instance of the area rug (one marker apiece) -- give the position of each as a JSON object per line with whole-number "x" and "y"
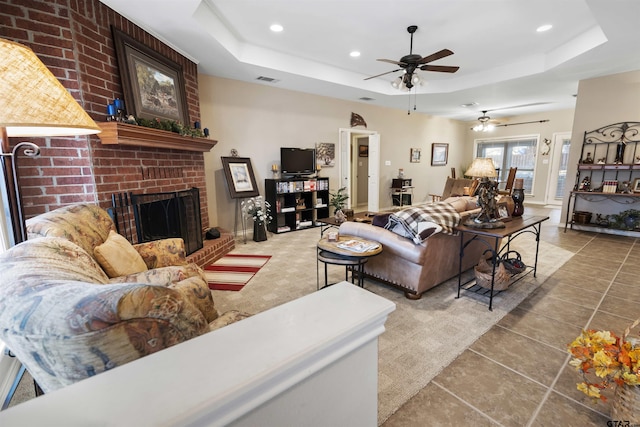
{"x": 233, "y": 271}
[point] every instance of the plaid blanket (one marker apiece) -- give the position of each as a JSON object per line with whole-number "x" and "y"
{"x": 408, "y": 221}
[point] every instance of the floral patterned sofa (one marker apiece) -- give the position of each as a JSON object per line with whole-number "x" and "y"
{"x": 69, "y": 309}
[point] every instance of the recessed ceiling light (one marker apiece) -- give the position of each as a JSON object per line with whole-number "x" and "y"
{"x": 354, "y": 54}
{"x": 276, "y": 28}
{"x": 543, "y": 28}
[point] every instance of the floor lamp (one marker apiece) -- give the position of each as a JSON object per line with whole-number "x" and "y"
{"x": 33, "y": 103}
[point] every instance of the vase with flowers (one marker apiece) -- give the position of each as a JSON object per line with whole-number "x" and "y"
{"x": 615, "y": 362}
{"x": 260, "y": 211}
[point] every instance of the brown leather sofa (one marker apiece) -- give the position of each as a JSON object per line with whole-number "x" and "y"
{"x": 416, "y": 268}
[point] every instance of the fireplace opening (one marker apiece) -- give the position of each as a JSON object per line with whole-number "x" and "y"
{"x": 161, "y": 215}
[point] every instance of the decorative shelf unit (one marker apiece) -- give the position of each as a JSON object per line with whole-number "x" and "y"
{"x": 607, "y": 175}
{"x": 118, "y": 133}
{"x": 401, "y": 191}
{"x": 296, "y": 203}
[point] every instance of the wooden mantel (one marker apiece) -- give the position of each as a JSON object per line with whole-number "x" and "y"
{"x": 117, "y": 133}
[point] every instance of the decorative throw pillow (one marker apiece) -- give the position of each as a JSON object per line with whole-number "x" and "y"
{"x": 118, "y": 257}
{"x": 380, "y": 220}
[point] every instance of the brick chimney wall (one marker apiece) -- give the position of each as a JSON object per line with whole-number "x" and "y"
{"x": 73, "y": 39}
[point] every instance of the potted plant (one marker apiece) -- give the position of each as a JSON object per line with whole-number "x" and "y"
{"x": 338, "y": 201}
{"x": 615, "y": 361}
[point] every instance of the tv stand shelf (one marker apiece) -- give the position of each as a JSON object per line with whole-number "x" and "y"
{"x": 297, "y": 203}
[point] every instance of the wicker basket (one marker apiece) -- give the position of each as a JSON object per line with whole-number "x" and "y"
{"x": 626, "y": 404}
{"x": 483, "y": 275}
{"x": 513, "y": 262}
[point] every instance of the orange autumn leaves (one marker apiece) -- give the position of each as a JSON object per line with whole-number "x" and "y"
{"x": 610, "y": 357}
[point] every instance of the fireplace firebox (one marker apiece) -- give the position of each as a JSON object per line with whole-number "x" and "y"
{"x": 160, "y": 216}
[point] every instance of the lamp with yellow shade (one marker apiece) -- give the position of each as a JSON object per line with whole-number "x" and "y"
{"x": 484, "y": 169}
{"x": 34, "y": 104}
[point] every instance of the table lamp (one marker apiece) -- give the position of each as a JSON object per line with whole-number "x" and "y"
{"x": 34, "y": 104}
{"x": 487, "y": 191}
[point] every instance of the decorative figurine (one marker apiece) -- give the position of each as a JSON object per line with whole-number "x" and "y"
{"x": 602, "y": 161}
{"x": 588, "y": 159}
{"x": 625, "y": 187}
{"x": 620, "y": 152}
{"x": 585, "y": 185}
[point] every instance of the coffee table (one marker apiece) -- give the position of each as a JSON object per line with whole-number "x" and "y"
{"x": 332, "y": 253}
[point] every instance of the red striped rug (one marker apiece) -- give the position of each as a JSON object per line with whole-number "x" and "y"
{"x": 232, "y": 272}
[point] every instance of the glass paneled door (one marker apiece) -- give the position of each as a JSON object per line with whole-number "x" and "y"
{"x": 558, "y": 170}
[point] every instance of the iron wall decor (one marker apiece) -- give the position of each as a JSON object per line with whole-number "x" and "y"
{"x": 439, "y": 154}
{"x": 153, "y": 85}
{"x": 240, "y": 178}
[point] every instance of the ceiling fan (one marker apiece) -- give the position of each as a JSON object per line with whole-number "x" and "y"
{"x": 412, "y": 62}
{"x": 484, "y": 124}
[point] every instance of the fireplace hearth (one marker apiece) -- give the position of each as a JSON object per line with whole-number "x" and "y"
{"x": 157, "y": 216}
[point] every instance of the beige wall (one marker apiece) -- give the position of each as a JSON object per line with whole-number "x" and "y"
{"x": 559, "y": 121}
{"x": 257, "y": 120}
{"x": 602, "y": 101}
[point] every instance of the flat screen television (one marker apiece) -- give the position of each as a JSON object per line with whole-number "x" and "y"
{"x": 297, "y": 161}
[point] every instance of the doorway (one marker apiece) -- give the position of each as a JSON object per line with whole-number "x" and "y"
{"x": 349, "y": 164}
{"x": 360, "y": 170}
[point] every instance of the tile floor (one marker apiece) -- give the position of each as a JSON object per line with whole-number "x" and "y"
{"x": 517, "y": 374}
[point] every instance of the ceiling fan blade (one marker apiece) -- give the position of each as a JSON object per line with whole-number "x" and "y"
{"x": 435, "y": 56}
{"x": 388, "y": 72}
{"x": 391, "y": 61}
{"x": 440, "y": 68}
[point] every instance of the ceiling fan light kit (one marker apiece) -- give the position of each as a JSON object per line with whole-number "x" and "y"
{"x": 484, "y": 125}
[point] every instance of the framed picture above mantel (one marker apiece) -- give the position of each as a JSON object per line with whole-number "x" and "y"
{"x": 153, "y": 85}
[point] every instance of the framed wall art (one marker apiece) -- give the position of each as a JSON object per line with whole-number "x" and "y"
{"x": 502, "y": 210}
{"x": 439, "y": 154}
{"x": 636, "y": 185}
{"x": 153, "y": 85}
{"x": 325, "y": 154}
{"x": 415, "y": 155}
{"x": 240, "y": 178}
{"x": 363, "y": 151}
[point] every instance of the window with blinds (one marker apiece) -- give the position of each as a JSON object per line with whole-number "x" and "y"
{"x": 511, "y": 152}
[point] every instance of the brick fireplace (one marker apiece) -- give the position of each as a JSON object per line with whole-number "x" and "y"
{"x": 73, "y": 38}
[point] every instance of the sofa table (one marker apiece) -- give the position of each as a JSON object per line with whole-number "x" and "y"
{"x": 329, "y": 222}
{"x": 329, "y": 252}
{"x": 492, "y": 238}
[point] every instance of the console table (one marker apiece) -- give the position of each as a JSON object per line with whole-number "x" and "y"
{"x": 492, "y": 239}
{"x": 332, "y": 222}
